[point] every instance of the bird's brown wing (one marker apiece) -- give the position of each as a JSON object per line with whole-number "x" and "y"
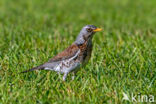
{"x": 67, "y": 53}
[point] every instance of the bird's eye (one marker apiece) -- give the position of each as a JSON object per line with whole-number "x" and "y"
{"x": 89, "y": 30}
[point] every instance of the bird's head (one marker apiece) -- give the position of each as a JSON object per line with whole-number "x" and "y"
{"x": 86, "y": 33}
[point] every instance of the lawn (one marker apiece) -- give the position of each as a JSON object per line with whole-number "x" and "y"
{"x": 123, "y": 58}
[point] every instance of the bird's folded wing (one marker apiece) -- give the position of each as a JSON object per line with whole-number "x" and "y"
{"x": 66, "y": 54}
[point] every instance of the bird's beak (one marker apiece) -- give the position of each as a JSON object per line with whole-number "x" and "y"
{"x": 97, "y": 29}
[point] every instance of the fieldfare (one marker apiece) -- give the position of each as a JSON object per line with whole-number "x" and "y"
{"x": 76, "y": 55}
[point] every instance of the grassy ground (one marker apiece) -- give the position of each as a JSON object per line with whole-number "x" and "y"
{"x": 123, "y": 59}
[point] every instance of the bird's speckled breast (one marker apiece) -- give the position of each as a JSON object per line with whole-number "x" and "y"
{"x": 86, "y": 50}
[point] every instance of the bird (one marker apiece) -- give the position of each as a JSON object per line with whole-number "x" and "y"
{"x": 74, "y": 57}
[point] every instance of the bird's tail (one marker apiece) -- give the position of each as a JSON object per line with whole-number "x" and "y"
{"x": 32, "y": 69}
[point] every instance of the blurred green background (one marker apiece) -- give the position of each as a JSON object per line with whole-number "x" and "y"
{"x": 123, "y": 59}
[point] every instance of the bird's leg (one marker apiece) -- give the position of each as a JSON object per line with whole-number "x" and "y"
{"x": 65, "y": 76}
{"x": 74, "y": 74}
{"x": 59, "y": 74}
{"x": 73, "y": 77}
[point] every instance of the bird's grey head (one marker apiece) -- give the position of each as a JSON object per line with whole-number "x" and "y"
{"x": 86, "y": 34}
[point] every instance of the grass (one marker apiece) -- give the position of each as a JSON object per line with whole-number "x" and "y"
{"x": 123, "y": 58}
